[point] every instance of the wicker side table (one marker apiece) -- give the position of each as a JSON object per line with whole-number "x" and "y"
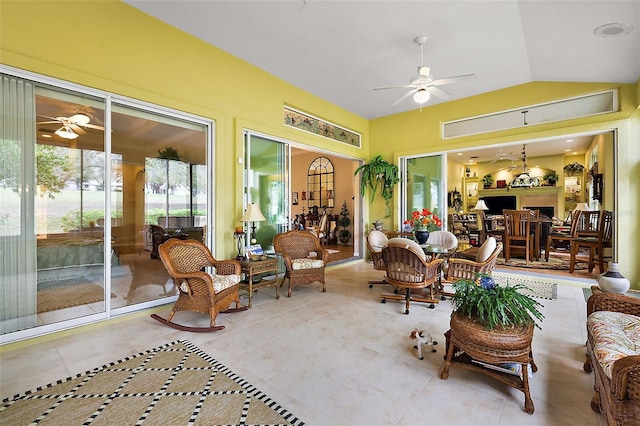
{"x": 468, "y": 341}
{"x": 255, "y": 267}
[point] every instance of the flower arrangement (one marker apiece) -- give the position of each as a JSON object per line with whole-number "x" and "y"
{"x": 424, "y": 219}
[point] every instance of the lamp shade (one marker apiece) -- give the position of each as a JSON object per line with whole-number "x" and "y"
{"x": 481, "y": 205}
{"x": 583, "y": 207}
{"x": 253, "y": 214}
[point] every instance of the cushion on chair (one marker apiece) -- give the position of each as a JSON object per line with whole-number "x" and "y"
{"x": 486, "y": 249}
{"x": 409, "y": 244}
{"x": 615, "y": 335}
{"x": 443, "y": 239}
{"x": 299, "y": 264}
{"x": 377, "y": 240}
{"x": 223, "y": 282}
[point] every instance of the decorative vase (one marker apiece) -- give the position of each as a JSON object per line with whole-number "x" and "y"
{"x": 612, "y": 281}
{"x": 422, "y": 235}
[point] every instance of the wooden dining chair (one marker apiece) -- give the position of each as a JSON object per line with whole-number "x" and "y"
{"x": 595, "y": 243}
{"x": 559, "y": 238}
{"x": 517, "y": 233}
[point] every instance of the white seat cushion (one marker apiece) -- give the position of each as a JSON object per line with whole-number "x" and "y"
{"x": 486, "y": 249}
{"x": 377, "y": 240}
{"x": 408, "y": 244}
{"x": 221, "y": 282}
{"x": 616, "y": 335}
{"x": 298, "y": 264}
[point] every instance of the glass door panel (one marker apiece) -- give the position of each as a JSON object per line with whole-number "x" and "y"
{"x": 422, "y": 186}
{"x": 267, "y": 185}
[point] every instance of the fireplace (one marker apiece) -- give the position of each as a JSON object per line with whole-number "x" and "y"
{"x": 547, "y": 211}
{"x": 499, "y": 203}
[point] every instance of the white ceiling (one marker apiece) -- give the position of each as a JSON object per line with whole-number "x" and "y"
{"x": 341, "y": 50}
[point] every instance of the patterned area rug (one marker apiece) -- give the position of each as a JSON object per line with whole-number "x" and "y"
{"x": 174, "y": 384}
{"x": 538, "y": 287}
{"x": 558, "y": 263}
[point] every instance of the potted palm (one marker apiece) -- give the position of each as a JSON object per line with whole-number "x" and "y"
{"x": 379, "y": 176}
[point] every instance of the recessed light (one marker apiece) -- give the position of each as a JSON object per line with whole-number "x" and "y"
{"x": 459, "y": 153}
{"x": 575, "y": 153}
{"x": 614, "y": 29}
{"x": 567, "y": 150}
{"x": 46, "y": 135}
{"x": 569, "y": 140}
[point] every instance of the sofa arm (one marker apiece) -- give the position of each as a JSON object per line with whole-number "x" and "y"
{"x": 625, "y": 378}
{"x": 614, "y": 302}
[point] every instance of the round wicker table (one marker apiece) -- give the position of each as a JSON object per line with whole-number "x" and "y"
{"x": 469, "y": 342}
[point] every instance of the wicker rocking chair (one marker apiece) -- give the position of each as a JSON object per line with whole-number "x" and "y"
{"x": 199, "y": 291}
{"x": 304, "y": 258}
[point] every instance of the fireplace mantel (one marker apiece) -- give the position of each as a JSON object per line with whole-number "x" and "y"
{"x": 552, "y": 196}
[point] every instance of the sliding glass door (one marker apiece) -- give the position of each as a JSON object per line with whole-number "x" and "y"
{"x": 266, "y": 183}
{"x": 422, "y": 185}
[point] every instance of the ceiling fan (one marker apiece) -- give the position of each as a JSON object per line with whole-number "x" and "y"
{"x": 72, "y": 126}
{"x": 503, "y": 156}
{"x": 423, "y": 86}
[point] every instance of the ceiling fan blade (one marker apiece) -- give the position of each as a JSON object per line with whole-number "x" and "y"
{"x": 406, "y": 95}
{"x": 79, "y": 130}
{"x": 93, "y": 126}
{"x": 406, "y": 86}
{"x": 456, "y": 79}
{"x": 47, "y": 122}
{"x": 439, "y": 93}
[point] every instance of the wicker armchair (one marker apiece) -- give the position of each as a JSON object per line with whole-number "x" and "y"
{"x": 304, "y": 258}
{"x": 618, "y": 396}
{"x": 484, "y": 263}
{"x": 201, "y": 292}
{"x": 407, "y": 269}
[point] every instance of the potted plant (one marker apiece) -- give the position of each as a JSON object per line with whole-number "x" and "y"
{"x": 495, "y": 306}
{"x": 169, "y": 153}
{"x": 573, "y": 169}
{"x": 422, "y": 222}
{"x": 379, "y": 175}
{"x": 343, "y": 220}
{"x": 551, "y": 177}
{"x": 487, "y": 181}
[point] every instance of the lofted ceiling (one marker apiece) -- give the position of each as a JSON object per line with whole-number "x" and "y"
{"x": 342, "y": 50}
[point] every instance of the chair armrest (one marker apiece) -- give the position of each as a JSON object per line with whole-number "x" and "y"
{"x": 625, "y": 377}
{"x": 603, "y": 301}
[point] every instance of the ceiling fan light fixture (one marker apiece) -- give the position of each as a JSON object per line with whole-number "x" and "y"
{"x": 80, "y": 119}
{"x": 421, "y": 96}
{"x": 66, "y": 133}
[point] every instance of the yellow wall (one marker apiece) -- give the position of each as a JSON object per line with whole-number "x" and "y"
{"x": 111, "y": 46}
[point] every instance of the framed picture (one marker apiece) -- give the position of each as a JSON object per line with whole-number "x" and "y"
{"x": 294, "y": 198}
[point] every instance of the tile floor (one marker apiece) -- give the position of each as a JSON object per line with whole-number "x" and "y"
{"x": 342, "y": 357}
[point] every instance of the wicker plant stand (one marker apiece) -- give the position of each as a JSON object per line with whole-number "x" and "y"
{"x": 468, "y": 340}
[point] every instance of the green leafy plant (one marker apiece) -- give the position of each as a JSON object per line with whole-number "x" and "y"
{"x": 551, "y": 177}
{"x": 494, "y": 305}
{"x": 379, "y": 176}
{"x": 487, "y": 180}
{"x": 169, "y": 154}
{"x": 344, "y": 222}
{"x": 573, "y": 169}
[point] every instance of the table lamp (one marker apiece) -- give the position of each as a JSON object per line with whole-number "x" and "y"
{"x": 480, "y": 206}
{"x": 253, "y": 215}
{"x": 583, "y": 206}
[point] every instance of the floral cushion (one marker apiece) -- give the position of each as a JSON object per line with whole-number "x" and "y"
{"x": 298, "y": 264}
{"x": 220, "y": 282}
{"x": 615, "y": 335}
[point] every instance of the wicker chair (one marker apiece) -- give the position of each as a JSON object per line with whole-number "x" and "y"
{"x": 407, "y": 269}
{"x": 201, "y": 292}
{"x": 458, "y": 268}
{"x": 617, "y": 397}
{"x": 304, "y": 258}
{"x": 376, "y": 241}
{"x": 443, "y": 239}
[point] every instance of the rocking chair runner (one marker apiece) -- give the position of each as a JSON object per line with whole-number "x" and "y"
{"x": 200, "y": 291}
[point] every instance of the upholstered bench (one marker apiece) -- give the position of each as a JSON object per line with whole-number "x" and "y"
{"x": 613, "y": 354}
